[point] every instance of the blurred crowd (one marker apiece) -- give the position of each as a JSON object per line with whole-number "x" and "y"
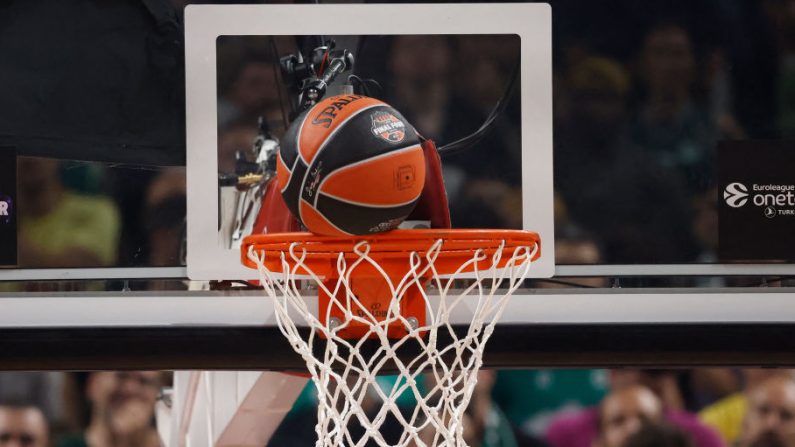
{"x": 643, "y": 92}
{"x": 707, "y": 407}
{"x": 100, "y": 409}
{"x": 82, "y": 214}
{"x": 642, "y": 96}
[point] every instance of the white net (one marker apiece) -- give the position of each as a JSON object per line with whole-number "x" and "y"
{"x": 436, "y": 362}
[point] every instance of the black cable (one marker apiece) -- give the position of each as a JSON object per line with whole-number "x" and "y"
{"x": 364, "y": 84}
{"x": 765, "y": 282}
{"x": 279, "y": 82}
{"x": 360, "y": 46}
{"x": 473, "y": 138}
{"x": 246, "y": 284}
{"x": 564, "y": 283}
{"x": 359, "y": 82}
{"x": 375, "y": 83}
{"x": 321, "y": 38}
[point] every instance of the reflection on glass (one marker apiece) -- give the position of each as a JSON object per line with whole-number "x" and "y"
{"x": 444, "y": 85}
{"x": 82, "y": 214}
{"x": 643, "y": 93}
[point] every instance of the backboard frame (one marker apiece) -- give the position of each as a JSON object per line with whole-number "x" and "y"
{"x": 205, "y": 23}
{"x": 236, "y": 330}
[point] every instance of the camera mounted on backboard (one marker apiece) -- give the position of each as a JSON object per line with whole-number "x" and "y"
{"x": 308, "y": 78}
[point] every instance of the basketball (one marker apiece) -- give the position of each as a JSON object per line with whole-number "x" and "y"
{"x": 351, "y": 165}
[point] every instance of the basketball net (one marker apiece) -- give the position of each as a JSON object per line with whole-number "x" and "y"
{"x": 436, "y": 357}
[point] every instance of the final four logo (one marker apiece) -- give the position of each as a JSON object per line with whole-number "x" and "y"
{"x": 388, "y": 127}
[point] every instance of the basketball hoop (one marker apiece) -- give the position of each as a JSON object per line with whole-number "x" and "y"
{"x": 375, "y": 303}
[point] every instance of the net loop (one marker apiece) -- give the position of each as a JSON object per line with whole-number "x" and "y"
{"x": 351, "y": 338}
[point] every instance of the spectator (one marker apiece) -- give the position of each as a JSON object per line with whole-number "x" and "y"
{"x": 611, "y": 188}
{"x": 669, "y": 122}
{"x": 582, "y": 429}
{"x": 658, "y": 435}
{"x": 489, "y": 426}
{"x": 484, "y": 423}
{"x": 237, "y": 137}
{"x": 704, "y": 386}
{"x": 533, "y": 398}
{"x": 253, "y": 91}
{"x": 482, "y": 181}
{"x": 575, "y": 247}
{"x": 293, "y": 432}
{"x": 164, "y": 214}
{"x": 680, "y": 389}
{"x": 622, "y": 413}
{"x": 421, "y": 66}
{"x": 492, "y": 166}
{"x": 662, "y": 383}
{"x": 781, "y": 18}
{"x": 42, "y": 390}
{"x": 122, "y": 410}
{"x": 488, "y": 63}
{"x": 60, "y": 228}
{"x": 705, "y": 225}
{"x": 22, "y": 425}
{"x": 770, "y": 420}
{"x": 727, "y": 414}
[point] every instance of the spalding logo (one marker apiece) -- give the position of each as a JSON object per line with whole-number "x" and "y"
{"x": 388, "y": 127}
{"x": 326, "y": 116}
{"x": 735, "y": 195}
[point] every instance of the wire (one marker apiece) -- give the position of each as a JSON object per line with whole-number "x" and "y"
{"x": 473, "y": 138}
{"x": 247, "y": 284}
{"x": 375, "y": 83}
{"x": 323, "y": 62}
{"x": 279, "y": 82}
{"x": 563, "y": 283}
{"x": 359, "y": 82}
{"x": 766, "y": 280}
{"x": 321, "y": 37}
{"x": 360, "y": 46}
{"x": 363, "y": 83}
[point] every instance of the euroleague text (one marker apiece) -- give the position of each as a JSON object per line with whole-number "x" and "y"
{"x": 784, "y": 197}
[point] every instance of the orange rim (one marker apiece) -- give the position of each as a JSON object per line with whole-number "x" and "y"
{"x": 458, "y": 246}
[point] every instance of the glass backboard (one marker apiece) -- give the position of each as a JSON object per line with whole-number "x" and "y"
{"x": 638, "y": 105}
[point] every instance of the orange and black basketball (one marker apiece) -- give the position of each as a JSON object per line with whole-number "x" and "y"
{"x": 351, "y": 165}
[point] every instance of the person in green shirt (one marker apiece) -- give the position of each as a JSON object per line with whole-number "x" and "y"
{"x": 59, "y": 227}
{"x": 485, "y": 425}
{"x": 531, "y": 398}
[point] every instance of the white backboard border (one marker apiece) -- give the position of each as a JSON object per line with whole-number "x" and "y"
{"x": 205, "y": 23}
